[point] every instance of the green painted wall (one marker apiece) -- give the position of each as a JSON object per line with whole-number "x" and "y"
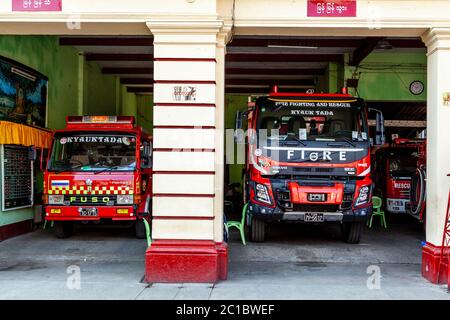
{"x": 329, "y": 82}
{"x": 58, "y": 63}
{"x": 128, "y": 106}
{"x": 75, "y": 87}
{"x": 145, "y": 111}
{"x": 387, "y": 76}
{"x": 234, "y": 103}
{"x": 99, "y": 88}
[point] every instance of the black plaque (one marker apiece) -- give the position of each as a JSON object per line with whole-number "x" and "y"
{"x": 17, "y": 177}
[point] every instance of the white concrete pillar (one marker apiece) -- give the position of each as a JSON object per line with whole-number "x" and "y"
{"x": 188, "y": 151}
{"x": 437, "y": 41}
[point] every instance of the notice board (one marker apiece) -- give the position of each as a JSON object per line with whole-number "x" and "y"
{"x": 16, "y": 177}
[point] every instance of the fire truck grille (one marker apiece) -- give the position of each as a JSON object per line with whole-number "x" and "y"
{"x": 90, "y": 200}
{"x": 347, "y": 201}
{"x": 315, "y": 208}
{"x": 404, "y": 194}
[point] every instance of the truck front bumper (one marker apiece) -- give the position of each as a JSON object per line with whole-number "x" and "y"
{"x": 72, "y": 213}
{"x": 278, "y": 214}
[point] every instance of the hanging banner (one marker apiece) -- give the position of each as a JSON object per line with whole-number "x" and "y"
{"x": 23, "y": 94}
{"x": 36, "y": 5}
{"x": 331, "y": 8}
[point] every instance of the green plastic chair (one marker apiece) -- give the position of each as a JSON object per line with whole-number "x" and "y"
{"x": 147, "y": 232}
{"x": 377, "y": 203}
{"x": 240, "y": 225}
{"x": 52, "y": 223}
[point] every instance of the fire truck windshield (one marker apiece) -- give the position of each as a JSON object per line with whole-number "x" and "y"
{"x": 93, "y": 152}
{"x": 403, "y": 161}
{"x": 341, "y": 123}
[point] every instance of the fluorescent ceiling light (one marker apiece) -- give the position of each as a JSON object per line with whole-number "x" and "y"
{"x": 293, "y": 47}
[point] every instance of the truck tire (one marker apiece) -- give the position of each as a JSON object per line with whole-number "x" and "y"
{"x": 258, "y": 230}
{"x": 140, "y": 229}
{"x": 351, "y": 231}
{"x": 63, "y": 229}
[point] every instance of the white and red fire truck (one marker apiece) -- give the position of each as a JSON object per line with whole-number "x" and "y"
{"x": 307, "y": 160}
{"x": 400, "y": 176}
{"x": 99, "y": 168}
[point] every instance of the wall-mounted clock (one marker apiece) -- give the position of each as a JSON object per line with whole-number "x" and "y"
{"x": 416, "y": 87}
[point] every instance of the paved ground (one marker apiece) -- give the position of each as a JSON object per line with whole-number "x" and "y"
{"x": 296, "y": 262}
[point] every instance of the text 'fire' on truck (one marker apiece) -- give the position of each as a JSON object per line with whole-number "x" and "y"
{"x": 307, "y": 160}
{"x": 400, "y": 176}
{"x": 99, "y": 168}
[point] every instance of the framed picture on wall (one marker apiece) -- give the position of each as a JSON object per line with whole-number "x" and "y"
{"x": 23, "y": 94}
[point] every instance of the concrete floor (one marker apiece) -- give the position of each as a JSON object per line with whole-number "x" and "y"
{"x": 296, "y": 262}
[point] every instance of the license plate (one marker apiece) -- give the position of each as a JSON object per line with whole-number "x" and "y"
{"x": 88, "y": 212}
{"x": 317, "y": 197}
{"x": 314, "y": 217}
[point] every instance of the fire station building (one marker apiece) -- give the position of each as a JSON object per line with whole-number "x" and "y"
{"x": 183, "y": 68}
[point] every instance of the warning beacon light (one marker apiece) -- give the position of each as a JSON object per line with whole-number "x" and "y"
{"x": 100, "y": 120}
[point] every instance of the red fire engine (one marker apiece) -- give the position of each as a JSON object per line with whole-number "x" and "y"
{"x": 99, "y": 168}
{"x": 308, "y": 160}
{"x": 400, "y": 176}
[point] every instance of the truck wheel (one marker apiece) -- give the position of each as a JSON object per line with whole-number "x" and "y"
{"x": 258, "y": 230}
{"x": 140, "y": 229}
{"x": 351, "y": 231}
{"x": 63, "y": 229}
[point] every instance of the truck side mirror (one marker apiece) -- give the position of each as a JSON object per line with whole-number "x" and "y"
{"x": 145, "y": 153}
{"x": 380, "y": 137}
{"x": 252, "y": 137}
{"x": 239, "y": 136}
{"x": 150, "y": 149}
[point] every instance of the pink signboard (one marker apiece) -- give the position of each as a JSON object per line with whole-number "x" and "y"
{"x": 36, "y": 5}
{"x": 331, "y": 8}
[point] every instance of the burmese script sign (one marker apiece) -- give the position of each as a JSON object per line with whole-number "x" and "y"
{"x": 36, "y": 5}
{"x": 331, "y": 8}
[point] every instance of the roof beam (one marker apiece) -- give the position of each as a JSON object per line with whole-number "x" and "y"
{"x": 118, "y": 57}
{"x": 284, "y": 57}
{"x": 260, "y": 90}
{"x": 363, "y": 51}
{"x": 406, "y": 43}
{"x": 116, "y": 41}
{"x": 140, "y": 89}
{"x": 127, "y": 71}
{"x": 245, "y": 82}
{"x": 136, "y": 81}
{"x": 269, "y": 82}
{"x": 265, "y": 71}
{"x": 243, "y": 41}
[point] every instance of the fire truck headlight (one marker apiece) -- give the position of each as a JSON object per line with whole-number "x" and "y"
{"x": 262, "y": 194}
{"x": 124, "y": 199}
{"x": 56, "y": 199}
{"x": 363, "y": 196}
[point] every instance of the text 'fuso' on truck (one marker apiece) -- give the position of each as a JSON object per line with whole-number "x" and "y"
{"x": 307, "y": 160}
{"x": 99, "y": 168}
